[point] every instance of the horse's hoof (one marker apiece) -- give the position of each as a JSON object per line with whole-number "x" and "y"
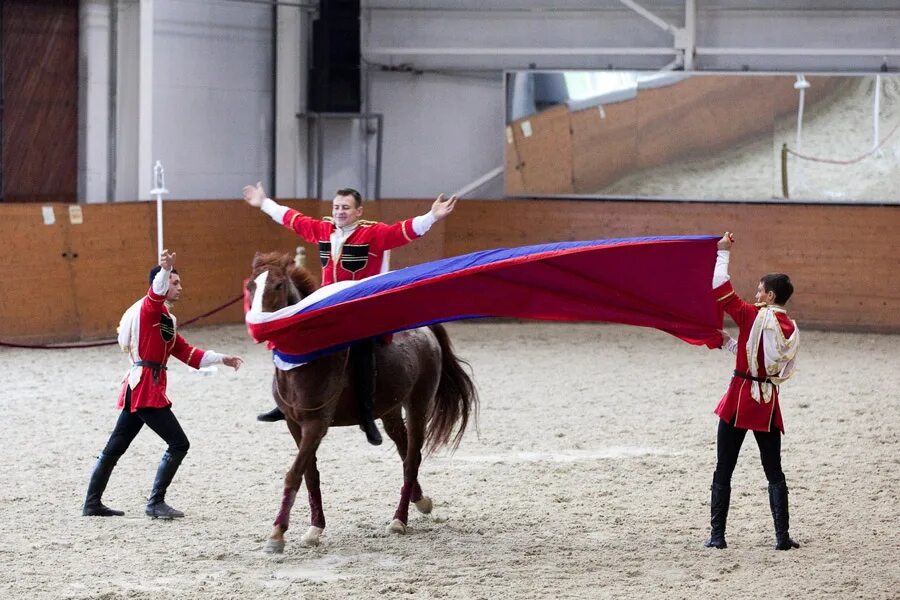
{"x": 424, "y": 505}
{"x": 312, "y": 535}
{"x": 274, "y": 546}
{"x": 397, "y": 526}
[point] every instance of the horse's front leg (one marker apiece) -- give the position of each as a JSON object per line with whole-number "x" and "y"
{"x": 307, "y": 437}
{"x": 316, "y": 512}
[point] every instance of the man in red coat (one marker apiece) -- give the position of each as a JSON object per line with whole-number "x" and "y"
{"x": 766, "y": 349}
{"x": 148, "y": 332}
{"x": 351, "y": 249}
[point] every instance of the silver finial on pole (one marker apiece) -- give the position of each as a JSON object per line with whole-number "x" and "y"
{"x": 159, "y": 188}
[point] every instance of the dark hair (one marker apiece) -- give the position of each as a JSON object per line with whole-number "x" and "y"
{"x": 156, "y": 270}
{"x": 351, "y": 192}
{"x": 780, "y": 284}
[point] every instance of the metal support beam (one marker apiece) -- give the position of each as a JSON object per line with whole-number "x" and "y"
{"x": 688, "y": 41}
{"x": 683, "y": 38}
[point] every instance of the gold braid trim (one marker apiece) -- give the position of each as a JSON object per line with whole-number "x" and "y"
{"x": 403, "y": 229}
{"x": 188, "y": 361}
{"x": 731, "y": 293}
{"x": 293, "y": 218}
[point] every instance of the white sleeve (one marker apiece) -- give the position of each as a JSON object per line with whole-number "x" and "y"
{"x": 160, "y": 283}
{"x": 720, "y": 274}
{"x": 730, "y": 345}
{"x": 274, "y": 210}
{"x": 211, "y": 357}
{"x": 423, "y": 223}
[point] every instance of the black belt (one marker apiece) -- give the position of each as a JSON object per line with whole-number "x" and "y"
{"x": 743, "y": 375}
{"x": 154, "y": 367}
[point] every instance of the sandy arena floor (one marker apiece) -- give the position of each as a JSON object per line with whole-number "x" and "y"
{"x": 589, "y": 479}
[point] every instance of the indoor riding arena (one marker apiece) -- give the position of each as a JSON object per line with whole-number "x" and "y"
{"x": 570, "y": 142}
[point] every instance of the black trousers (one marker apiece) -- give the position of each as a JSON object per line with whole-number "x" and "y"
{"x": 161, "y": 420}
{"x": 728, "y": 445}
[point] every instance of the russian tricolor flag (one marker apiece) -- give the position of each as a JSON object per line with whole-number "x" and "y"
{"x": 660, "y": 282}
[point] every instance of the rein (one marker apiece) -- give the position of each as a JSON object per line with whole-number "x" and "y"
{"x": 324, "y": 404}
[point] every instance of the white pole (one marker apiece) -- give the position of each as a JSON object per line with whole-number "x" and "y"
{"x": 876, "y": 111}
{"x": 801, "y": 84}
{"x": 159, "y": 188}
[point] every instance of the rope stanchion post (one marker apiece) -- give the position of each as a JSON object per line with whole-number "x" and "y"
{"x": 784, "y": 172}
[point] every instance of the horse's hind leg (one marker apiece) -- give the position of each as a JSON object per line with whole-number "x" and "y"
{"x": 415, "y": 437}
{"x": 316, "y": 512}
{"x": 396, "y": 430}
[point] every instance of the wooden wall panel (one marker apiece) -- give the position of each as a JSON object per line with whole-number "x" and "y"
{"x": 115, "y": 246}
{"x": 40, "y": 87}
{"x": 693, "y": 118}
{"x": 514, "y": 183}
{"x": 844, "y": 260}
{"x": 36, "y": 300}
{"x": 604, "y": 145}
{"x": 545, "y": 156}
{"x": 699, "y": 116}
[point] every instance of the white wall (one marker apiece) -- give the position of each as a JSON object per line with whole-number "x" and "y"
{"x": 210, "y": 117}
{"x": 93, "y": 101}
{"x": 213, "y": 87}
{"x": 440, "y": 131}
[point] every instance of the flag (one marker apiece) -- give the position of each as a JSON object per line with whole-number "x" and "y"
{"x": 659, "y": 282}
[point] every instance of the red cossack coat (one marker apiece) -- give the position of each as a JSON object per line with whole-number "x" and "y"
{"x": 157, "y": 340}
{"x": 363, "y": 252}
{"x": 737, "y": 405}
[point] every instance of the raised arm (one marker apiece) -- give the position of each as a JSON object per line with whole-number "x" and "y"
{"x": 255, "y": 195}
{"x": 720, "y": 273}
{"x": 439, "y": 211}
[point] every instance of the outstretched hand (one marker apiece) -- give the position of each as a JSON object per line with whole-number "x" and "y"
{"x": 441, "y": 208}
{"x": 726, "y": 242}
{"x": 167, "y": 260}
{"x": 234, "y": 362}
{"x": 726, "y": 338}
{"x": 254, "y": 194}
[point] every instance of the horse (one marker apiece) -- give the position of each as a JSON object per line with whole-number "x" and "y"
{"x": 418, "y": 373}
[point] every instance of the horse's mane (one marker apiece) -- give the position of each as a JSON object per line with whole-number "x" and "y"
{"x": 301, "y": 278}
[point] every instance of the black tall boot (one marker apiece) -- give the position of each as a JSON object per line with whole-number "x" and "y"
{"x": 270, "y": 417}
{"x": 718, "y": 511}
{"x": 93, "y": 507}
{"x": 363, "y": 355}
{"x": 156, "y": 504}
{"x": 778, "y": 502}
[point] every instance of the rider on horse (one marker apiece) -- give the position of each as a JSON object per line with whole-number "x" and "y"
{"x": 350, "y": 249}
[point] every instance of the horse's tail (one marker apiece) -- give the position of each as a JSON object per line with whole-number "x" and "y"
{"x": 456, "y": 398}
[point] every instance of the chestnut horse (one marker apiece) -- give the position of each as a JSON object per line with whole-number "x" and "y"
{"x": 417, "y": 372}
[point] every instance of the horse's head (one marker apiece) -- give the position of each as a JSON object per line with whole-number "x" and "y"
{"x": 284, "y": 283}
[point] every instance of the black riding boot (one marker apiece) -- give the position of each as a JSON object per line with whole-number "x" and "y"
{"x": 720, "y": 499}
{"x": 99, "y": 478}
{"x": 156, "y": 504}
{"x": 363, "y": 355}
{"x": 270, "y": 417}
{"x": 778, "y": 502}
